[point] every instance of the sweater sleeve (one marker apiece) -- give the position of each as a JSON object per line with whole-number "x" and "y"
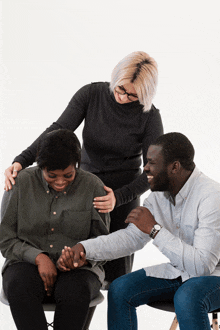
{"x": 71, "y": 118}
{"x": 132, "y": 190}
{"x": 154, "y": 128}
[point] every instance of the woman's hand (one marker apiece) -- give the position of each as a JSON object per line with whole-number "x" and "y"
{"x": 47, "y": 271}
{"x": 10, "y": 173}
{"x": 72, "y": 258}
{"x": 106, "y": 203}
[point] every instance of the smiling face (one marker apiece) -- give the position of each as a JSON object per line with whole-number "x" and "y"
{"x": 125, "y": 94}
{"x": 156, "y": 170}
{"x": 60, "y": 179}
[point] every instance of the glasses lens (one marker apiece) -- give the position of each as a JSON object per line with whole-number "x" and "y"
{"x": 132, "y": 98}
{"x": 119, "y": 90}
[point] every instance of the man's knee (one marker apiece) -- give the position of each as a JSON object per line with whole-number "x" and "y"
{"x": 189, "y": 296}
{"x": 119, "y": 288}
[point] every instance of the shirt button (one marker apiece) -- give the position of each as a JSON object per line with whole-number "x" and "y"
{"x": 64, "y": 192}
{"x": 52, "y": 229}
{"x": 54, "y": 212}
{"x": 51, "y": 246}
{"x": 47, "y": 191}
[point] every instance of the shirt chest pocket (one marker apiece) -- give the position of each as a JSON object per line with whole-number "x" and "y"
{"x": 76, "y": 224}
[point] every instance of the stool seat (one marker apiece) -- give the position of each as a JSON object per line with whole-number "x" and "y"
{"x": 168, "y": 306}
{"x": 50, "y": 307}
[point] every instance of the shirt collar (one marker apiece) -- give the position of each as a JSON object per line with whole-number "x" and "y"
{"x": 185, "y": 190}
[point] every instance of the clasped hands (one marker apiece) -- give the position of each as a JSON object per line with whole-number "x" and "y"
{"x": 72, "y": 258}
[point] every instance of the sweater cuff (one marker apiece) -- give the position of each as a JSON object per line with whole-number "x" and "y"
{"x": 20, "y": 160}
{"x": 118, "y": 197}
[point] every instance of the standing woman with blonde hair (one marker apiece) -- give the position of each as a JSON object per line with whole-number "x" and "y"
{"x": 120, "y": 122}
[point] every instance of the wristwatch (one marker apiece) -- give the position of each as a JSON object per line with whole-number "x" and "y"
{"x": 156, "y": 228}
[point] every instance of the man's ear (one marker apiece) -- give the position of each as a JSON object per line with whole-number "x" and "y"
{"x": 175, "y": 167}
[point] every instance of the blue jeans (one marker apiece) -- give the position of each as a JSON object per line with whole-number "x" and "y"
{"x": 193, "y": 299}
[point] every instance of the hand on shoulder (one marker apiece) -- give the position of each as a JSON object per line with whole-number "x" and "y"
{"x": 10, "y": 174}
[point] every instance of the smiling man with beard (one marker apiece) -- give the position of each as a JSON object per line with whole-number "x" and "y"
{"x": 182, "y": 216}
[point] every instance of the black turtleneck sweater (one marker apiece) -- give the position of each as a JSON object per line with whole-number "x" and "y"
{"x": 115, "y": 136}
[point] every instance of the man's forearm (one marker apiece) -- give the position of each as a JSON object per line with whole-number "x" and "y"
{"x": 115, "y": 245}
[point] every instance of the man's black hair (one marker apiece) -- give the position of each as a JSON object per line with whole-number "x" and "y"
{"x": 177, "y": 147}
{"x": 59, "y": 149}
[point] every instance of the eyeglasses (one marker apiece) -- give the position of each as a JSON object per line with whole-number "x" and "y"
{"x": 121, "y": 90}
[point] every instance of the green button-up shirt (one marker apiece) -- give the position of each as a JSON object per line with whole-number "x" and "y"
{"x": 36, "y": 219}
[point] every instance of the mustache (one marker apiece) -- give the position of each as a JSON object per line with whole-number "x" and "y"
{"x": 147, "y": 172}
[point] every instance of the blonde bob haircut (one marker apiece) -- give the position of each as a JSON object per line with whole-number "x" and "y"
{"x": 139, "y": 69}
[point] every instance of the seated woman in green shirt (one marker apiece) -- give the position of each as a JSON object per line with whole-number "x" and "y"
{"x": 51, "y": 206}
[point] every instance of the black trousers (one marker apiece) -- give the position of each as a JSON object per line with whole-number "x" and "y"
{"x": 72, "y": 294}
{"x": 115, "y": 180}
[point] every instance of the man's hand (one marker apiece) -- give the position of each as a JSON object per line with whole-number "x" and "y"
{"x": 142, "y": 218}
{"x": 47, "y": 271}
{"x": 72, "y": 258}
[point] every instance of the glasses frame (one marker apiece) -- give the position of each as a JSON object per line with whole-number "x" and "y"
{"x": 126, "y": 93}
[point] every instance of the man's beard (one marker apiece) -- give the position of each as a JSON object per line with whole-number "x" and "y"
{"x": 160, "y": 182}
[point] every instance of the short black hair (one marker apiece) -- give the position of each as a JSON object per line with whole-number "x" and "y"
{"x": 177, "y": 147}
{"x": 59, "y": 149}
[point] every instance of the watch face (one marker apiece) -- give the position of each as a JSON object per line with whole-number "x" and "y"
{"x": 157, "y": 227}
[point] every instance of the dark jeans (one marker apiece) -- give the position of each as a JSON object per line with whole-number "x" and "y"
{"x": 193, "y": 299}
{"x": 72, "y": 294}
{"x": 118, "y": 267}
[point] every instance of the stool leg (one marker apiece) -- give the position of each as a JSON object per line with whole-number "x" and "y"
{"x": 89, "y": 318}
{"x": 174, "y": 323}
{"x": 215, "y": 321}
{"x": 50, "y": 325}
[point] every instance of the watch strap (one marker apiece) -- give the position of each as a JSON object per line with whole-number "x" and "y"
{"x": 154, "y": 231}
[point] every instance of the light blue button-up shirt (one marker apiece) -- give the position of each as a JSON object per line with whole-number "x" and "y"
{"x": 190, "y": 237}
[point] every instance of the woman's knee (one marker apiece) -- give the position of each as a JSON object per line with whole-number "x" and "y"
{"x": 22, "y": 280}
{"x": 73, "y": 287}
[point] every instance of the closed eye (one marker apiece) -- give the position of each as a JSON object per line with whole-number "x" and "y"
{"x": 68, "y": 176}
{"x": 51, "y": 176}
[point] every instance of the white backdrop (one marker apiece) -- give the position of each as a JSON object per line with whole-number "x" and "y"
{"x": 51, "y": 48}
